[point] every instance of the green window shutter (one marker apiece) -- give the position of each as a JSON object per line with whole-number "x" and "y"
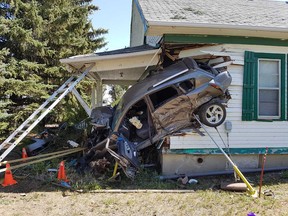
{"x": 249, "y": 87}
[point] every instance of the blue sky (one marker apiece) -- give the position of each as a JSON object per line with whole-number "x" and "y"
{"x": 114, "y": 15}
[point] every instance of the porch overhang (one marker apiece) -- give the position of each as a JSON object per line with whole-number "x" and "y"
{"x": 124, "y": 66}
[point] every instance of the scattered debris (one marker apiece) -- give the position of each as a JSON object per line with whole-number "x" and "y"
{"x": 183, "y": 181}
{"x": 73, "y": 144}
{"x": 49, "y": 136}
{"x": 65, "y": 184}
{"x": 234, "y": 186}
{"x": 40, "y": 142}
{"x": 269, "y": 193}
{"x": 99, "y": 166}
{"x": 193, "y": 181}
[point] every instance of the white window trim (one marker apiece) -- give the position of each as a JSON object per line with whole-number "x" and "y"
{"x": 279, "y": 90}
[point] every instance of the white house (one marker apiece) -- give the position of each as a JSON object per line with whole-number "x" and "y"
{"x": 253, "y": 34}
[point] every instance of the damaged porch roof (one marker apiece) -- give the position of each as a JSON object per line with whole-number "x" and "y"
{"x": 123, "y": 66}
{"x": 253, "y": 18}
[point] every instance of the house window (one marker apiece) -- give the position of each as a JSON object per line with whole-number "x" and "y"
{"x": 269, "y": 88}
{"x": 264, "y": 87}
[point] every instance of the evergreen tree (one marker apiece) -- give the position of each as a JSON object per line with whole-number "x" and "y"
{"x": 4, "y": 116}
{"x": 116, "y": 92}
{"x": 34, "y": 35}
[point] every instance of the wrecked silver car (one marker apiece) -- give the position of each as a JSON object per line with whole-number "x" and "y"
{"x": 159, "y": 105}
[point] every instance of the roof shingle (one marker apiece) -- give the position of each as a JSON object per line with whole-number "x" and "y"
{"x": 260, "y": 13}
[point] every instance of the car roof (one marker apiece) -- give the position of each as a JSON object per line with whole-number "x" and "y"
{"x": 148, "y": 85}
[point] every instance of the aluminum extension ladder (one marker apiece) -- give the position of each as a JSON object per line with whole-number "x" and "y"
{"x": 23, "y": 130}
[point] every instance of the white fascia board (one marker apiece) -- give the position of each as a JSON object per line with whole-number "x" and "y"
{"x": 160, "y": 28}
{"x": 208, "y": 25}
{"x": 94, "y": 57}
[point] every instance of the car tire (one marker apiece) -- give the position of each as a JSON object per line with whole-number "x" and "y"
{"x": 212, "y": 114}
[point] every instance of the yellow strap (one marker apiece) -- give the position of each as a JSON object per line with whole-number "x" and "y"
{"x": 43, "y": 159}
{"x": 251, "y": 190}
{"x": 115, "y": 168}
{"x": 40, "y": 156}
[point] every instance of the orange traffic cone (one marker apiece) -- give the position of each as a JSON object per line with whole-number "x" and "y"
{"x": 24, "y": 153}
{"x": 61, "y": 172}
{"x": 8, "y": 179}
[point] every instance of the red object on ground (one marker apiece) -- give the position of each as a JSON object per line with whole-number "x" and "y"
{"x": 262, "y": 171}
{"x": 24, "y": 153}
{"x": 61, "y": 172}
{"x": 8, "y": 179}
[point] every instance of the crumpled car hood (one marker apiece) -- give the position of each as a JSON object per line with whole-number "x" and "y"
{"x": 102, "y": 116}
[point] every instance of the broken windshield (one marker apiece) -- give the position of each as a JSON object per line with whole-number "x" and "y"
{"x": 119, "y": 108}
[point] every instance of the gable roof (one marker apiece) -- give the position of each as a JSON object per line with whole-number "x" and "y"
{"x": 172, "y": 16}
{"x": 265, "y": 13}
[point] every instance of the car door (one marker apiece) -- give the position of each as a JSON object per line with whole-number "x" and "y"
{"x": 171, "y": 108}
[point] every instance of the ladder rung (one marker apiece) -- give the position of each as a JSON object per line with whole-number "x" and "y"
{"x": 63, "y": 90}
{"x": 13, "y": 140}
{"x": 44, "y": 109}
{"x": 7, "y": 144}
{"x": 26, "y": 127}
{"x": 23, "y": 129}
{"x": 16, "y": 136}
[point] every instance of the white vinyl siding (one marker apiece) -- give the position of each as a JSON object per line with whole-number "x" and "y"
{"x": 244, "y": 134}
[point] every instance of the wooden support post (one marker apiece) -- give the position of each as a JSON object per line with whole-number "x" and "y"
{"x": 99, "y": 88}
{"x": 81, "y": 101}
{"x": 93, "y": 95}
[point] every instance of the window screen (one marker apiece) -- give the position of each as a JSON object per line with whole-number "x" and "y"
{"x": 268, "y": 88}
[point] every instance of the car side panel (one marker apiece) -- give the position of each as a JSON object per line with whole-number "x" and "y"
{"x": 172, "y": 114}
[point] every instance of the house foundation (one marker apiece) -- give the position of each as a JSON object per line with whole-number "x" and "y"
{"x": 190, "y": 164}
